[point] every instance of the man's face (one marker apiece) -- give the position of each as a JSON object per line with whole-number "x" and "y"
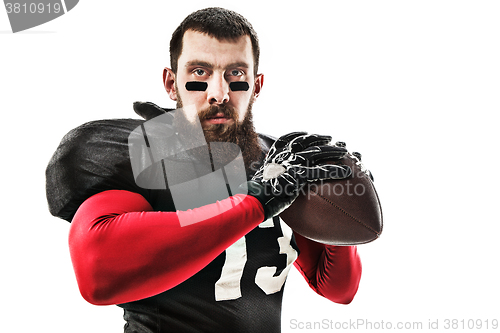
{"x": 218, "y": 63}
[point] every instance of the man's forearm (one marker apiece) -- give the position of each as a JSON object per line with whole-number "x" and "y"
{"x": 123, "y": 251}
{"x": 331, "y": 271}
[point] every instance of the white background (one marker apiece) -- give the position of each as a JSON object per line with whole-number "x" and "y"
{"x": 413, "y": 85}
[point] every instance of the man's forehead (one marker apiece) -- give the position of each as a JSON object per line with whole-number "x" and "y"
{"x": 193, "y": 35}
{"x": 202, "y": 48}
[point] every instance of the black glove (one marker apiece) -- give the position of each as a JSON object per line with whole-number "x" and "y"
{"x": 357, "y": 159}
{"x": 292, "y": 161}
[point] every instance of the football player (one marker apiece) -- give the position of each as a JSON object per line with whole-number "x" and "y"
{"x": 218, "y": 266}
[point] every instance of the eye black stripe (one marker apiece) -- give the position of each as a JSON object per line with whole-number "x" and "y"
{"x": 239, "y": 86}
{"x": 202, "y": 86}
{"x": 196, "y": 86}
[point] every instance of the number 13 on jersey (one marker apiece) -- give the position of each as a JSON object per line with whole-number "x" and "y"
{"x": 228, "y": 286}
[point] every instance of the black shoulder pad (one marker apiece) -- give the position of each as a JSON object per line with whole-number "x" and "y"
{"x": 148, "y": 110}
{"x": 91, "y": 158}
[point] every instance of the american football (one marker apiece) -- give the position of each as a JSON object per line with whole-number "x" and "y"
{"x": 338, "y": 212}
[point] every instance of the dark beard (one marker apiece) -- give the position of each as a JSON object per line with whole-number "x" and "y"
{"x": 242, "y": 134}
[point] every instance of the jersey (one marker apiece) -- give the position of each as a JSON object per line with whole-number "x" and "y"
{"x": 240, "y": 291}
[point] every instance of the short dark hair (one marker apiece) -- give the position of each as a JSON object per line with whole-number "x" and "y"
{"x": 220, "y": 23}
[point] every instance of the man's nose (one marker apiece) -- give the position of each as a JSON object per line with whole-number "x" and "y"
{"x": 218, "y": 90}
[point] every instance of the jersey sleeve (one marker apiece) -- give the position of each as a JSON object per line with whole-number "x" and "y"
{"x": 123, "y": 251}
{"x": 331, "y": 271}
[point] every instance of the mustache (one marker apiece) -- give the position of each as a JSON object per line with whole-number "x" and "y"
{"x": 214, "y": 110}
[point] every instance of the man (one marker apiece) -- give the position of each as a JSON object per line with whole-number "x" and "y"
{"x": 222, "y": 271}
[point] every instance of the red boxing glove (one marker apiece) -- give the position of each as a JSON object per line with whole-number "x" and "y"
{"x": 123, "y": 251}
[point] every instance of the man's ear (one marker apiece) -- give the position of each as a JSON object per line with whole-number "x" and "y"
{"x": 259, "y": 82}
{"x": 169, "y": 83}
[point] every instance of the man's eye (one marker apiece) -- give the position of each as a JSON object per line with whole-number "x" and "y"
{"x": 236, "y": 72}
{"x": 199, "y": 72}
